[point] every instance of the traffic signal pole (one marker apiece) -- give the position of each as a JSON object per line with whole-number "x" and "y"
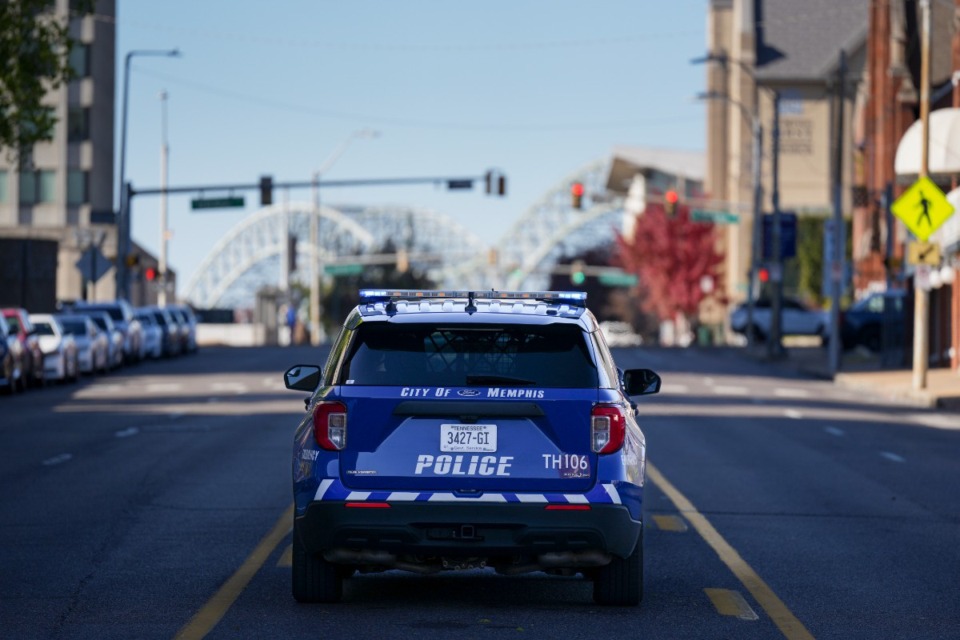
{"x": 836, "y": 260}
{"x": 775, "y": 341}
{"x": 921, "y": 296}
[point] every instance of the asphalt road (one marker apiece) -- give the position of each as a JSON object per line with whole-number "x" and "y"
{"x": 155, "y": 502}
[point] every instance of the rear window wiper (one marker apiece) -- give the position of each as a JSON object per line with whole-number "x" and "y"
{"x": 506, "y": 380}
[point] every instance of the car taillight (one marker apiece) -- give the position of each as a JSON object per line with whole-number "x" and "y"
{"x": 607, "y": 428}
{"x": 330, "y": 425}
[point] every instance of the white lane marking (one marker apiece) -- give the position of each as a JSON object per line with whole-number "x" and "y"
{"x": 235, "y": 387}
{"x": 60, "y": 459}
{"x": 784, "y": 392}
{"x": 709, "y": 381}
{"x": 126, "y": 433}
{"x": 793, "y": 414}
{"x": 892, "y": 456}
{"x": 674, "y": 388}
{"x": 164, "y": 387}
{"x": 835, "y": 432}
{"x": 722, "y": 390}
{"x": 175, "y": 415}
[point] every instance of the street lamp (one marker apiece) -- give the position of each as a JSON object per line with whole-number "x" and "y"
{"x": 315, "y": 270}
{"x": 123, "y": 217}
{"x": 757, "y": 128}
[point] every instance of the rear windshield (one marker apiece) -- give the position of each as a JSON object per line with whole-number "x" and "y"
{"x": 43, "y": 329}
{"x": 469, "y": 355}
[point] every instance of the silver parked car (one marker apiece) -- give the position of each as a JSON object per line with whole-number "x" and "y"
{"x": 93, "y": 347}
{"x": 152, "y": 333}
{"x": 61, "y": 361}
{"x": 121, "y": 315}
{"x": 114, "y": 335}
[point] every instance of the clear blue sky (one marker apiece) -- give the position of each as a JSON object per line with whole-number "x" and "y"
{"x": 535, "y": 88}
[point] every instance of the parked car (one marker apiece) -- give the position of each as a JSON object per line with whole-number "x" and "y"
{"x": 797, "y": 319}
{"x": 183, "y": 327}
{"x": 191, "y": 321}
{"x": 864, "y": 322}
{"x": 11, "y": 361}
{"x": 61, "y": 361}
{"x": 18, "y": 324}
{"x": 93, "y": 346}
{"x": 121, "y": 315}
{"x": 170, "y": 329}
{"x": 620, "y": 334}
{"x": 152, "y": 333}
{"x": 114, "y": 336}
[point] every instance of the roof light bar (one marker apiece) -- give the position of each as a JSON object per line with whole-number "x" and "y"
{"x": 577, "y": 298}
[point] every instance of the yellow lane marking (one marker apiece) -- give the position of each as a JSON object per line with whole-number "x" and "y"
{"x": 774, "y": 607}
{"x": 670, "y": 523}
{"x": 286, "y": 560}
{"x": 731, "y": 603}
{"x": 207, "y": 618}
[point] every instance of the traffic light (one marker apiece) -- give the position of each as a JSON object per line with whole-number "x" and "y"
{"x": 764, "y": 274}
{"x": 670, "y": 199}
{"x": 577, "y": 276}
{"x": 150, "y": 273}
{"x": 576, "y": 195}
{"x": 266, "y": 190}
{"x": 291, "y": 253}
{"x": 133, "y": 260}
{"x": 502, "y": 185}
{"x": 495, "y": 182}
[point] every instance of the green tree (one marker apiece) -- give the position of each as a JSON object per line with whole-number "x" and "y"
{"x": 35, "y": 49}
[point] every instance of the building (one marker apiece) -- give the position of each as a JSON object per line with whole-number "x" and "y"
{"x": 756, "y": 50}
{"x": 64, "y": 190}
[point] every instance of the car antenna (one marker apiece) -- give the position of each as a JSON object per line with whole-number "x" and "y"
{"x": 470, "y": 308}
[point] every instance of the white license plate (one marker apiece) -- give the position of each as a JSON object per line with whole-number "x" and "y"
{"x": 455, "y": 438}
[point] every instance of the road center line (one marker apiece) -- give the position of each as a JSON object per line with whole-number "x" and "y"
{"x": 892, "y": 456}
{"x": 55, "y": 460}
{"x": 207, "y": 617}
{"x": 774, "y": 607}
{"x": 835, "y": 431}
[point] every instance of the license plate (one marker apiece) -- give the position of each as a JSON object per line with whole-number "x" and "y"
{"x": 455, "y": 438}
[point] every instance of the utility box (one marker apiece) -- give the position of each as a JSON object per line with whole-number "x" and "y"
{"x": 28, "y": 274}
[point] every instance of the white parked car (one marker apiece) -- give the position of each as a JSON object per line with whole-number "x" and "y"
{"x": 152, "y": 333}
{"x": 798, "y": 319}
{"x": 61, "y": 360}
{"x": 93, "y": 349}
{"x": 620, "y": 334}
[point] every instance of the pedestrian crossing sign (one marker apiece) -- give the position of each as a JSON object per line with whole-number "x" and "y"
{"x": 923, "y": 208}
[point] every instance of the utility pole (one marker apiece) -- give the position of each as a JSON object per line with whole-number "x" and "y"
{"x": 164, "y": 161}
{"x": 836, "y": 263}
{"x": 755, "y": 244}
{"x": 921, "y": 308}
{"x": 775, "y": 346}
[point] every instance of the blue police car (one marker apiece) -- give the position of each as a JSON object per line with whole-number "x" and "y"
{"x": 460, "y": 430}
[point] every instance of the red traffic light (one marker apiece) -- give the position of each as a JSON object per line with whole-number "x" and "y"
{"x": 671, "y": 197}
{"x": 150, "y": 273}
{"x": 576, "y": 189}
{"x": 764, "y": 274}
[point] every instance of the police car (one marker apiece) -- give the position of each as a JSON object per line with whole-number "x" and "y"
{"x": 460, "y": 430}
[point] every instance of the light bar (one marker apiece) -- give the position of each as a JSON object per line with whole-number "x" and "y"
{"x": 577, "y": 298}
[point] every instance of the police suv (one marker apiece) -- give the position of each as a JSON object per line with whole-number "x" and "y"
{"x": 460, "y": 430}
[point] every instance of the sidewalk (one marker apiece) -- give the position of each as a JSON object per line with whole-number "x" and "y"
{"x": 861, "y": 370}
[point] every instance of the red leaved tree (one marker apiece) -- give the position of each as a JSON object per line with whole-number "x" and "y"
{"x": 671, "y": 256}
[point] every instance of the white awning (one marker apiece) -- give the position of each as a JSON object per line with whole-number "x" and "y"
{"x": 944, "y": 151}
{"x": 948, "y": 235}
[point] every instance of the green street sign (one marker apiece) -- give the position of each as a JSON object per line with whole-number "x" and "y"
{"x": 716, "y": 217}
{"x": 216, "y": 203}
{"x": 343, "y": 269}
{"x": 617, "y": 279}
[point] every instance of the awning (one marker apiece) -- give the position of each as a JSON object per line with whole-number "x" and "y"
{"x": 948, "y": 235}
{"x": 944, "y": 151}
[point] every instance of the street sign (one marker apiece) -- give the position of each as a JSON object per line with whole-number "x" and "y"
{"x": 716, "y": 217}
{"x": 927, "y": 253}
{"x": 216, "y": 203}
{"x": 343, "y": 269}
{"x": 93, "y": 265}
{"x": 788, "y": 235}
{"x": 617, "y": 279}
{"x": 923, "y": 208}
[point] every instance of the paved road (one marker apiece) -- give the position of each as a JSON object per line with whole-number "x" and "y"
{"x": 155, "y": 501}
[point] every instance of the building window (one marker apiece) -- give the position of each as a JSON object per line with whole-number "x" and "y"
{"x": 3, "y": 186}
{"x": 78, "y": 187}
{"x": 80, "y": 59}
{"x": 78, "y": 124}
{"x": 38, "y": 187}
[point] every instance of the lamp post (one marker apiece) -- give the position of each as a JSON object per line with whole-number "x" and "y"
{"x": 756, "y": 166}
{"x": 164, "y": 162}
{"x": 315, "y": 267}
{"x": 123, "y": 216}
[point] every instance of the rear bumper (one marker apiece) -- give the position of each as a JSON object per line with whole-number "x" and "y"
{"x": 454, "y": 529}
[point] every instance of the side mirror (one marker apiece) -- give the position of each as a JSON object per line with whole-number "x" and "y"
{"x": 640, "y": 382}
{"x": 302, "y": 377}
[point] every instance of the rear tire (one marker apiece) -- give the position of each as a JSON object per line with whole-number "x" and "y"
{"x": 620, "y": 583}
{"x": 314, "y": 579}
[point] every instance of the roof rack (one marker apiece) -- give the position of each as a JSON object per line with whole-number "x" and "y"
{"x": 573, "y": 298}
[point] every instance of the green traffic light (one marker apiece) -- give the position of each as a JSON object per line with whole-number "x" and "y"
{"x": 577, "y": 277}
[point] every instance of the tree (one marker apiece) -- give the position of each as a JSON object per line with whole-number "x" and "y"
{"x": 35, "y": 49}
{"x": 671, "y": 257}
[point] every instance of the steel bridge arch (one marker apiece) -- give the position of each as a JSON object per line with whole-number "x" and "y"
{"x": 264, "y": 235}
{"x": 550, "y": 228}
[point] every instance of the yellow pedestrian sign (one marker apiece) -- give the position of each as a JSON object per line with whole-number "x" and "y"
{"x": 923, "y": 208}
